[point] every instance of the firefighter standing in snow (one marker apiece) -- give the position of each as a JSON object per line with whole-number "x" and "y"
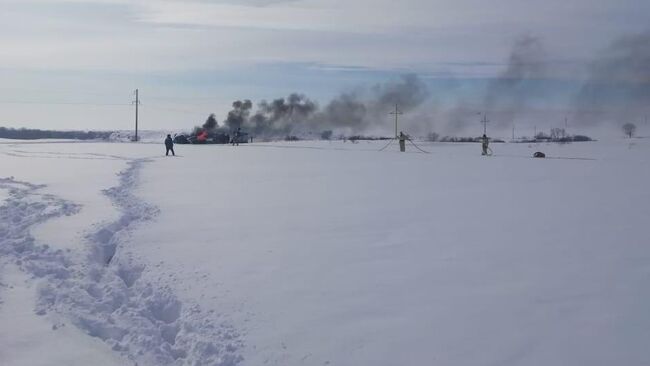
{"x": 484, "y": 145}
{"x": 402, "y": 141}
{"x": 169, "y": 145}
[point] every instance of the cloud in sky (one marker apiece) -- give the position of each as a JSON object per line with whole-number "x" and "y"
{"x": 113, "y": 46}
{"x": 173, "y": 34}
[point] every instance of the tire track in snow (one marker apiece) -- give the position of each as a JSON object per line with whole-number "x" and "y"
{"x": 105, "y": 295}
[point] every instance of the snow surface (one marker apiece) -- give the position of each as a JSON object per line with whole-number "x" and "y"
{"x": 4, "y": 194}
{"x": 29, "y": 340}
{"x": 324, "y": 253}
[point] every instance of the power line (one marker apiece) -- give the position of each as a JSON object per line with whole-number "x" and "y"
{"x": 62, "y": 103}
{"x": 149, "y": 105}
{"x": 172, "y": 109}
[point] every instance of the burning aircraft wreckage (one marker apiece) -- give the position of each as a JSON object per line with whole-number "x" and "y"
{"x": 298, "y": 116}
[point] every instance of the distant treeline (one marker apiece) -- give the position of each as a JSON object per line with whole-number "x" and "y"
{"x": 368, "y": 138}
{"x": 564, "y": 139}
{"x": 32, "y": 134}
{"x": 466, "y": 139}
{"x": 557, "y": 135}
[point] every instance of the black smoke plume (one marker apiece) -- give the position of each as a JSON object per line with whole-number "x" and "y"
{"x": 239, "y": 114}
{"x": 210, "y": 123}
{"x": 506, "y": 96}
{"x": 618, "y": 88}
{"x": 281, "y": 116}
{"x": 353, "y": 112}
{"x": 511, "y": 91}
{"x": 368, "y": 110}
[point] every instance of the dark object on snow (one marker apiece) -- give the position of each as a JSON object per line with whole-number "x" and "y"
{"x": 539, "y": 155}
{"x": 169, "y": 145}
{"x": 181, "y": 139}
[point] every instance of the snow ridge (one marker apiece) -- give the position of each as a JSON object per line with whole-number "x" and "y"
{"x": 105, "y": 295}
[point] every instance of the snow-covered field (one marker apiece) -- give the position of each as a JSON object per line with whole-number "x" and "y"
{"x": 324, "y": 253}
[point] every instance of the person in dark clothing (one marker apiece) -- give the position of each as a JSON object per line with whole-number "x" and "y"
{"x": 169, "y": 145}
{"x": 485, "y": 142}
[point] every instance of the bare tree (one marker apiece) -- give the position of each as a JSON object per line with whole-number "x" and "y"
{"x": 629, "y": 129}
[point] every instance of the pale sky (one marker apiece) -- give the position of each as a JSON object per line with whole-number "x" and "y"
{"x": 74, "y": 64}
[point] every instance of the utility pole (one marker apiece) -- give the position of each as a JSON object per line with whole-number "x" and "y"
{"x": 137, "y": 104}
{"x": 485, "y": 121}
{"x": 396, "y": 113}
{"x": 513, "y": 131}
